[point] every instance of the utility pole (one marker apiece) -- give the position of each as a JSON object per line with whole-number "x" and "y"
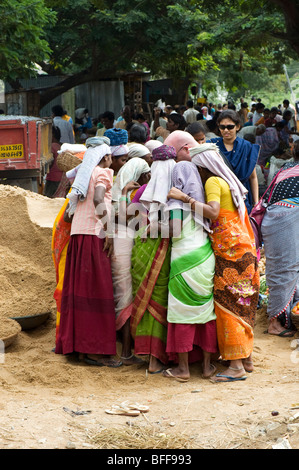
{"x": 289, "y": 83}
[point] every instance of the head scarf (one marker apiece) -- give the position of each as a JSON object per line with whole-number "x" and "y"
{"x": 130, "y": 171}
{"x": 118, "y": 150}
{"x": 154, "y": 197}
{"x": 186, "y": 178}
{"x": 180, "y": 139}
{"x": 152, "y": 144}
{"x": 95, "y": 141}
{"x": 137, "y": 150}
{"x": 117, "y": 136}
{"x": 91, "y": 159}
{"x": 208, "y": 156}
{"x": 164, "y": 152}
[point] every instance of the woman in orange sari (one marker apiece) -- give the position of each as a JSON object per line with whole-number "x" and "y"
{"x": 236, "y": 281}
{"x": 60, "y": 239}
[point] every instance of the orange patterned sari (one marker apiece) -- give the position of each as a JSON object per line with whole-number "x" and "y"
{"x": 60, "y": 240}
{"x": 236, "y": 284}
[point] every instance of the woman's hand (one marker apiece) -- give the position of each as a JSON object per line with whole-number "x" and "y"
{"x": 130, "y": 187}
{"x": 175, "y": 193}
{"x": 66, "y": 217}
{"x": 108, "y": 246}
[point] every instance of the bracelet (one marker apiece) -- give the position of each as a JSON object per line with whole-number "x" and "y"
{"x": 109, "y": 234}
{"x": 188, "y": 199}
{"x": 123, "y": 198}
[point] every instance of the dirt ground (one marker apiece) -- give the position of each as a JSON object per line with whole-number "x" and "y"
{"x": 50, "y": 401}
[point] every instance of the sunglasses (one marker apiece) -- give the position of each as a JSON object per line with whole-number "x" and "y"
{"x": 229, "y": 127}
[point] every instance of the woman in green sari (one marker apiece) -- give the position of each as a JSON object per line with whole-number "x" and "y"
{"x": 191, "y": 335}
{"x": 151, "y": 265}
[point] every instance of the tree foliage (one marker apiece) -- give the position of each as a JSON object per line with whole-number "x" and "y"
{"x": 244, "y": 36}
{"x": 97, "y": 39}
{"x": 22, "y": 42}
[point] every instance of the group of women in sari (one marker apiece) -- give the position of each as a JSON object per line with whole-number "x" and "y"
{"x": 161, "y": 255}
{"x": 181, "y": 284}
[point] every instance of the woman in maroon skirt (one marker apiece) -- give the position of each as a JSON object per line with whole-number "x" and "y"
{"x": 87, "y": 323}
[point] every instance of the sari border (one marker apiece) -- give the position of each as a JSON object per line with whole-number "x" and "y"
{"x": 144, "y": 293}
{"x": 237, "y": 317}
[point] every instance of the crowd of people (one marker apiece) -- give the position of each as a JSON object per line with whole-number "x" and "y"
{"x": 154, "y": 247}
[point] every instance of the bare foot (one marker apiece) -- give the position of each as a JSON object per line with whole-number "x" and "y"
{"x": 276, "y": 328}
{"x": 248, "y": 364}
{"x": 177, "y": 373}
{"x": 230, "y": 375}
{"x": 155, "y": 366}
{"x": 235, "y": 371}
{"x": 102, "y": 360}
{"x": 208, "y": 371}
{"x": 132, "y": 360}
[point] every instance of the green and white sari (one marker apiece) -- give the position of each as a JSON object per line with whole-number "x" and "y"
{"x": 191, "y": 281}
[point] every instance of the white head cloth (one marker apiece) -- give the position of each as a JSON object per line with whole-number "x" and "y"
{"x": 130, "y": 171}
{"x": 158, "y": 187}
{"x": 92, "y": 157}
{"x": 137, "y": 150}
{"x": 152, "y": 144}
{"x": 208, "y": 156}
{"x": 118, "y": 150}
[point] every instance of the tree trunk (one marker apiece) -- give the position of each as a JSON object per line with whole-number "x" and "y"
{"x": 290, "y": 10}
{"x": 66, "y": 84}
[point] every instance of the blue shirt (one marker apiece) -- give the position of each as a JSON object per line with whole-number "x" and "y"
{"x": 243, "y": 159}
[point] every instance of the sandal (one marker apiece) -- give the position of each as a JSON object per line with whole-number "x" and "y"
{"x": 135, "y": 406}
{"x": 167, "y": 373}
{"x": 103, "y": 363}
{"x": 122, "y": 410}
{"x": 132, "y": 360}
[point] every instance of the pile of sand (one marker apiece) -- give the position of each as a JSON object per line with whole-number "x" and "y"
{"x": 27, "y": 275}
{"x": 8, "y": 327}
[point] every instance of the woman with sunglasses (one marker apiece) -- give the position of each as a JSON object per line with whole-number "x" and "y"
{"x": 241, "y": 154}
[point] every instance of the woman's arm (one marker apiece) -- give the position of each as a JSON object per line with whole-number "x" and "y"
{"x": 98, "y": 200}
{"x": 101, "y": 212}
{"x": 210, "y": 210}
{"x": 123, "y": 216}
{"x": 254, "y": 185}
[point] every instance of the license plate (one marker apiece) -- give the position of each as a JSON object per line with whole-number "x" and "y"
{"x": 11, "y": 151}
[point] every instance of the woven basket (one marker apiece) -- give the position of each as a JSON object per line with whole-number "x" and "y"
{"x": 66, "y": 161}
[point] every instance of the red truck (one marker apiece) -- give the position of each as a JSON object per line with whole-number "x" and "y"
{"x": 25, "y": 150}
